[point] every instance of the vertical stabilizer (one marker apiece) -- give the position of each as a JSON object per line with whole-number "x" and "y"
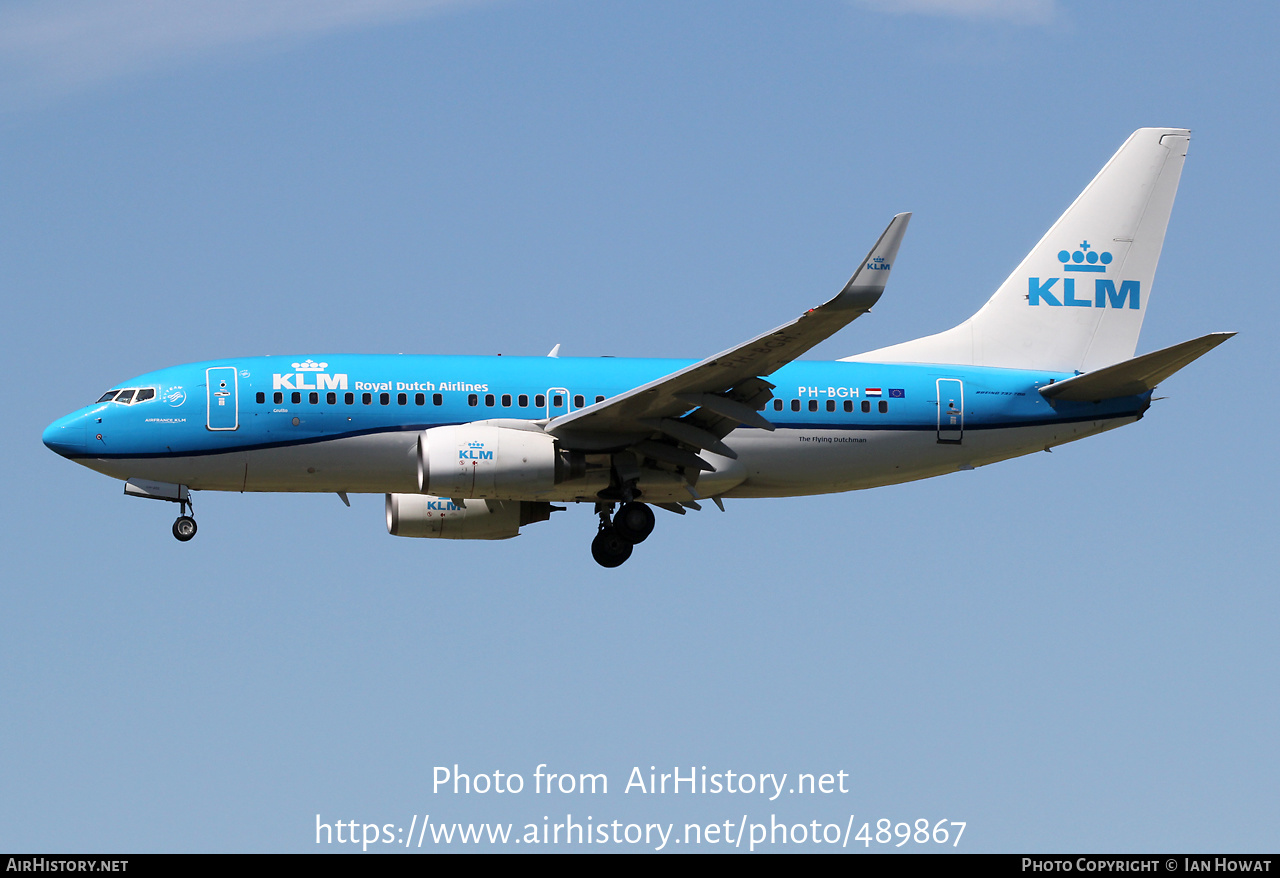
{"x": 1077, "y": 301}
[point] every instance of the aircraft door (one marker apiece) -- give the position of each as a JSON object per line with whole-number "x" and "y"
{"x": 950, "y": 411}
{"x": 221, "y": 391}
{"x": 557, "y": 402}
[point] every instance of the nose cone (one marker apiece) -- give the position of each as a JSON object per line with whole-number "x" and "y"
{"x": 66, "y": 436}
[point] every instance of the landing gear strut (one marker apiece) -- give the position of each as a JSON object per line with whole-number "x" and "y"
{"x": 619, "y": 533}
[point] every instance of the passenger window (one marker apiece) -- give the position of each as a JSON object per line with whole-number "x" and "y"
{"x": 813, "y": 405}
{"x": 366, "y": 398}
{"x": 331, "y": 398}
{"x": 488, "y": 399}
{"x": 831, "y": 405}
{"x": 277, "y": 397}
{"x": 384, "y": 398}
{"x": 262, "y": 397}
{"x": 437, "y": 399}
{"x": 540, "y": 400}
{"x": 296, "y": 397}
{"x": 884, "y": 406}
{"x": 349, "y": 398}
{"x": 313, "y": 397}
{"x": 777, "y": 405}
{"x": 506, "y": 400}
{"x": 147, "y": 393}
{"x": 866, "y": 406}
{"x": 472, "y": 399}
{"x": 557, "y": 401}
{"x": 523, "y": 400}
{"x": 848, "y": 405}
{"x": 402, "y": 399}
{"x": 579, "y": 401}
{"x": 795, "y": 405}
{"x": 108, "y": 396}
{"x": 599, "y": 398}
{"x": 419, "y": 399}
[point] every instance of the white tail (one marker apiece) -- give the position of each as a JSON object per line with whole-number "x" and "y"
{"x": 1077, "y": 301}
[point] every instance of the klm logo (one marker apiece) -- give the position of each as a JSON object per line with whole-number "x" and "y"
{"x": 443, "y": 506}
{"x": 878, "y": 264}
{"x": 1105, "y": 292}
{"x": 308, "y": 368}
{"x": 474, "y": 451}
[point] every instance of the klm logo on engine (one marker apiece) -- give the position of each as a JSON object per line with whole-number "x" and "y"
{"x": 1105, "y": 293}
{"x": 297, "y": 380}
{"x": 443, "y": 506}
{"x": 474, "y": 451}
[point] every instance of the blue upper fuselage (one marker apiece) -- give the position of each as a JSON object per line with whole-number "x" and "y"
{"x": 262, "y": 402}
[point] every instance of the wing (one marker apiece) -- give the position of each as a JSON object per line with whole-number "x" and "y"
{"x": 697, "y": 406}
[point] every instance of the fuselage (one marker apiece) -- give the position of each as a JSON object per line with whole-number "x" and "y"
{"x": 350, "y": 422}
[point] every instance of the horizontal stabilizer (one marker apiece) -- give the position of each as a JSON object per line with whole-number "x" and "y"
{"x": 1135, "y": 376}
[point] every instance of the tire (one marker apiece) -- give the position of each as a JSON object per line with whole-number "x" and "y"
{"x": 184, "y": 528}
{"x": 634, "y": 522}
{"x": 609, "y": 549}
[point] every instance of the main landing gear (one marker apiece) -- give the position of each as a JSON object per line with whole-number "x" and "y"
{"x": 619, "y": 533}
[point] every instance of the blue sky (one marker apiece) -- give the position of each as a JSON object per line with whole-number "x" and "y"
{"x": 1071, "y": 651}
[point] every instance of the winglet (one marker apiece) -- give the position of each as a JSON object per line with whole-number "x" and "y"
{"x": 868, "y": 282}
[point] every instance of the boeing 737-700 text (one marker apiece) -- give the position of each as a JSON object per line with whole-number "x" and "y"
{"x": 478, "y": 447}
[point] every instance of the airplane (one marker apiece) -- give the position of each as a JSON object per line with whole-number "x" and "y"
{"x": 479, "y": 447}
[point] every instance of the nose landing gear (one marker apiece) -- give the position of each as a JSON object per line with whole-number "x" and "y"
{"x": 185, "y": 527}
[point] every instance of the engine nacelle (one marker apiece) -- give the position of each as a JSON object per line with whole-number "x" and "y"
{"x": 487, "y": 462}
{"x": 421, "y": 515}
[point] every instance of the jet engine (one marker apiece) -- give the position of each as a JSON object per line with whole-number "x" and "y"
{"x": 487, "y": 462}
{"x": 421, "y": 515}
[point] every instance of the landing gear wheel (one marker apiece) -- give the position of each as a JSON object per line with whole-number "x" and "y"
{"x": 634, "y": 522}
{"x": 609, "y": 548}
{"x": 184, "y": 528}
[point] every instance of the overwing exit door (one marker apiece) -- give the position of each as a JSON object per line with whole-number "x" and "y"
{"x": 557, "y": 402}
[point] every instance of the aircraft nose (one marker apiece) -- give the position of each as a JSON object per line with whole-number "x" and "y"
{"x": 65, "y": 436}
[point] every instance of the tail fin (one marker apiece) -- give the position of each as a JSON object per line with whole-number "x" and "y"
{"x": 1077, "y": 301}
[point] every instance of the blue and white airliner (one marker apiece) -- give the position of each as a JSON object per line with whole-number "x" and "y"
{"x": 478, "y": 447}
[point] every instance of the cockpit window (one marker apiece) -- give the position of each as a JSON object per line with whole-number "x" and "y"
{"x": 130, "y": 395}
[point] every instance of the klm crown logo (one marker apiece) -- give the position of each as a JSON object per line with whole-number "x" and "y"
{"x": 877, "y": 263}
{"x": 1105, "y": 293}
{"x": 297, "y": 379}
{"x": 474, "y": 451}
{"x": 1084, "y": 259}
